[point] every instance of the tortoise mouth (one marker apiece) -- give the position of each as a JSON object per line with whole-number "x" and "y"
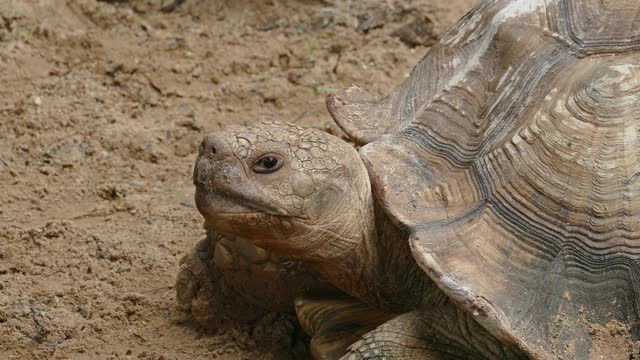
{"x": 234, "y": 215}
{"x": 217, "y": 203}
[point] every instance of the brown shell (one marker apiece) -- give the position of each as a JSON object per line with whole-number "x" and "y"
{"x": 513, "y": 154}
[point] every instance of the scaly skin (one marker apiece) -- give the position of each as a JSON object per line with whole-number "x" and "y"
{"x": 225, "y": 281}
{"x": 441, "y": 332}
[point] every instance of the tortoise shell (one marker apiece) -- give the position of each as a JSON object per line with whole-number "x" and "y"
{"x": 512, "y": 154}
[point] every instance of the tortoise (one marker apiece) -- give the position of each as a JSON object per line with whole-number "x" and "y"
{"x": 491, "y": 210}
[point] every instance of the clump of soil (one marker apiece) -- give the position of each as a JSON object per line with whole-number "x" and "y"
{"x": 613, "y": 341}
{"x": 102, "y": 108}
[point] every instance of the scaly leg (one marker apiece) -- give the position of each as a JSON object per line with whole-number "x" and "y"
{"x": 225, "y": 280}
{"x": 336, "y": 321}
{"x": 435, "y": 333}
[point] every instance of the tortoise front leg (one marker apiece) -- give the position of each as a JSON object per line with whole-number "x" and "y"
{"x": 436, "y": 333}
{"x": 335, "y": 321}
{"x": 223, "y": 281}
{"x": 205, "y": 290}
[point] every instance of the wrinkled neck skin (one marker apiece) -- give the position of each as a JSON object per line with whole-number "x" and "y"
{"x": 378, "y": 268}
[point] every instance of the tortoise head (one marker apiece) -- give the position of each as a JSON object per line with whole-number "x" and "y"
{"x": 299, "y": 192}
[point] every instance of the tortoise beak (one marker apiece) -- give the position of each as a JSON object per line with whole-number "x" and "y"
{"x": 215, "y": 174}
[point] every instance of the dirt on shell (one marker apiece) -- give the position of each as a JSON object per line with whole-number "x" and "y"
{"x": 102, "y": 108}
{"x": 613, "y": 341}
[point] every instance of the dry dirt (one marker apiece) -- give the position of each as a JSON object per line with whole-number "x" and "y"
{"x": 613, "y": 341}
{"x": 102, "y": 107}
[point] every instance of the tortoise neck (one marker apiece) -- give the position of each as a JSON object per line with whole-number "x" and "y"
{"x": 379, "y": 269}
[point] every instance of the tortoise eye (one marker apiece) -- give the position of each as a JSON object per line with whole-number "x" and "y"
{"x": 267, "y": 164}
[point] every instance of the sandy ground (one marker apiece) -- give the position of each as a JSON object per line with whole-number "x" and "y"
{"x": 102, "y": 107}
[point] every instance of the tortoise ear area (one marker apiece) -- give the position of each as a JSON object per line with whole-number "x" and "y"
{"x": 359, "y": 114}
{"x": 323, "y": 202}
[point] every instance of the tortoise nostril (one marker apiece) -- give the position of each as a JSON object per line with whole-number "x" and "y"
{"x": 213, "y": 145}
